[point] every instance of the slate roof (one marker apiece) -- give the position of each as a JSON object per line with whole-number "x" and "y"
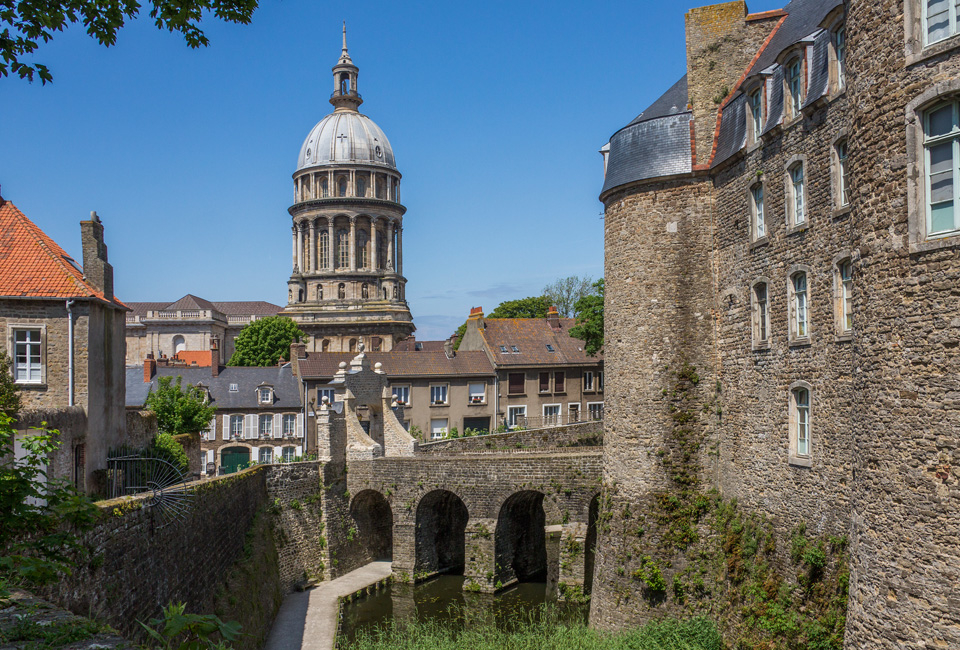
{"x": 425, "y": 363}
{"x": 189, "y": 301}
{"x": 286, "y": 387}
{"x": 33, "y": 266}
{"x": 673, "y": 101}
{"x": 531, "y": 337}
{"x": 803, "y": 18}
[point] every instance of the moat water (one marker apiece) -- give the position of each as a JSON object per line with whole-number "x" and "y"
{"x": 443, "y": 600}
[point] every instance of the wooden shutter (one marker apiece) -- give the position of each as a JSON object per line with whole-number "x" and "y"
{"x": 558, "y": 381}
{"x": 277, "y": 425}
{"x": 226, "y": 427}
{"x": 516, "y": 382}
{"x": 300, "y": 433}
{"x": 544, "y": 382}
{"x": 249, "y": 426}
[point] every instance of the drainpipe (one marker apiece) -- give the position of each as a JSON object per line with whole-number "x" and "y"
{"x": 70, "y": 352}
{"x": 496, "y": 400}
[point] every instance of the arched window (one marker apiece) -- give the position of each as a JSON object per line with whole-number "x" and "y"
{"x": 379, "y": 187}
{"x": 363, "y": 239}
{"x": 793, "y": 77}
{"x": 300, "y": 294}
{"x": 325, "y": 346}
{"x": 381, "y": 250}
{"x": 324, "y": 249}
{"x": 353, "y": 345}
{"x": 343, "y": 248}
{"x": 384, "y": 293}
{"x": 800, "y": 424}
{"x": 342, "y": 291}
{"x": 319, "y": 292}
{"x": 396, "y": 292}
{"x": 844, "y": 284}
{"x": 756, "y": 209}
{"x": 799, "y": 312}
{"x": 761, "y": 315}
{"x": 364, "y": 291}
{"x": 342, "y": 186}
{"x": 361, "y": 186}
{"x": 344, "y": 84}
{"x": 324, "y": 188}
{"x": 796, "y": 195}
{"x": 179, "y": 344}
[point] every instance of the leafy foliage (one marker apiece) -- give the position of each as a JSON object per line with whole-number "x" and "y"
{"x": 564, "y": 293}
{"x": 164, "y": 446}
{"x": 180, "y": 410}
{"x": 532, "y": 307}
{"x": 180, "y": 631}
{"x": 264, "y": 342}
{"x": 9, "y": 395}
{"x": 589, "y": 313}
{"x": 24, "y": 24}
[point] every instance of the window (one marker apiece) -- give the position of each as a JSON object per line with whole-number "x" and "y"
{"x": 289, "y": 454}
{"x": 208, "y": 433}
{"x": 845, "y": 296}
{"x": 324, "y": 188}
{"x": 544, "y": 382}
{"x": 403, "y": 394}
{"x": 438, "y": 428}
{"x": 516, "y": 416}
{"x": 799, "y": 327}
{"x": 796, "y": 204}
{"x": 756, "y": 206}
{"x": 438, "y": 394}
{"x": 550, "y": 348}
{"x": 361, "y": 186}
{"x": 761, "y": 314}
{"x": 842, "y": 182}
{"x": 477, "y": 393}
{"x": 941, "y": 145}
{"x": 794, "y": 78}
{"x": 266, "y": 426}
{"x": 515, "y": 349}
{"x": 342, "y": 186}
{"x": 289, "y": 425}
{"x": 551, "y": 414}
{"x": 324, "y": 251}
{"x": 595, "y": 410}
{"x": 940, "y": 19}
{"x": 265, "y": 395}
{"x": 325, "y": 393}
{"x": 28, "y": 366}
{"x": 362, "y": 241}
{"x": 840, "y": 49}
{"x": 588, "y": 380}
{"x": 266, "y": 455}
{"x": 756, "y": 113}
{"x": 234, "y": 388}
{"x": 343, "y": 248}
{"x": 600, "y": 381}
{"x": 503, "y": 349}
{"x": 559, "y": 379}
{"x": 236, "y": 425}
{"x": 516, "y": 383}
{"x": 800, "y": 424}
{"x": 573, "y": 412}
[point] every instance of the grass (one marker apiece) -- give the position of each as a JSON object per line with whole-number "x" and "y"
{"x": 544, "y": 634}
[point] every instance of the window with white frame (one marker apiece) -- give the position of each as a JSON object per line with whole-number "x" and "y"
{"x": 289, "y": 424}
{"x": 939, "y": 19}
{"x": 595, "y": 410}
{"x": 266, "y": 455}
{"x": 799, "y": 323}
{"x": 800, "y": 422}
{"x": 516, "y": 415}
{"x": 796, "y": 196}
{"x": 756, "y": 113}
{"x": 793, "y": 76}
{"x": 600, "y": 381}
{"x": 587, "y": 381}
{"x": 289, "y": 454}
{"x": 845, "y": 296}
{"x": 840, "y": 51}
{"x": 756, "y": 209}
{"x": 438, "y": 394}
{"x": 438, "y": 428}
{"x": 265, "y": 395}
{"x": 27, "y": 356}
{"x": 325, "y": 393}
{"x": 236, "y": 426}
{"x": 209, "y": 432}
{"x": 941, "y": 142}
{"x": 573, "y": 412}
{"x": 402, "y": 394}
{"x": 478, "y": 392}
{"x": 266, "y": 426}
{"x": 761, "y": 314}
{"x": 551, "y": 414}
{"x": 843, "y": 186}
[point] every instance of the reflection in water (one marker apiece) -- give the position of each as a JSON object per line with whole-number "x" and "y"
{"x": 443, "y": 599}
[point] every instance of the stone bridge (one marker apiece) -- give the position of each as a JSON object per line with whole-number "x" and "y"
{"x": 496, "y": 516}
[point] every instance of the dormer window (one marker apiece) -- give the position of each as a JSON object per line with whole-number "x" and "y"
{"x": 265, "y": 395}
{"x": 840, "y": 51}
{"x": 234, "y": 388}
{"x": 793, "y": 76}
{"x": 756, "y": 113}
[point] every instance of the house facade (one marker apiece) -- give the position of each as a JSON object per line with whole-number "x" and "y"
{"x": 63, "y": 330}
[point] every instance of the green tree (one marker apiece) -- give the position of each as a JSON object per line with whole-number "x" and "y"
{"x": 179, "y": 410}
{"x": 264, "y": 342}
{"x": 9, "y": 395}
{"x": 565, "y": 292}
{"x": 532, "y": 307}
{"x": 24, "y": 24}
{"x": 589, "y": 314}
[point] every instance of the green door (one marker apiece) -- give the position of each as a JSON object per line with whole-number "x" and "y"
{"x": 234, "y": 458}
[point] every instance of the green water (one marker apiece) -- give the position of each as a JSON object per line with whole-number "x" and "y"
{"x": 443, "y": 600}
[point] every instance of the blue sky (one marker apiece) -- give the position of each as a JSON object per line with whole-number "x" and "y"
{"x": 495, "y": 111}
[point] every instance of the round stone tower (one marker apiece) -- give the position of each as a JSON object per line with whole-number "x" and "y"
{"x": 347, "y": 283}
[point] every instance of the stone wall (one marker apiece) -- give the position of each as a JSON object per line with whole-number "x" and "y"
{"x": 582, "y": 434}
{"x": 141, "y": 428}
{"x": 71, "y": 424}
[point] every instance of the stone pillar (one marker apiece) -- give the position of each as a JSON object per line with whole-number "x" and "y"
{"x": 374, "y": 243}
{"x": 480, "y": 568}
{"x": 553, "y": 535}
{"x": 400, "y": 248}
{"x": 352, "y": 190}
{"x": 332, "y": 248}
{"x": 300, "y": 247}
{"x": 573, "y": 546}
{"x": 313, "y": 246}
{"x": 404, "y": 549}
{"x": 293, "y": 233}
{"x": 390, "y": 231}
{"x": 353, "y": 243}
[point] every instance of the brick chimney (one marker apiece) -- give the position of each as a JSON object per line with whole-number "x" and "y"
{"x": 298, "y": 351}
{"x": 476, "y": 314}
{"x": 96, "y": 269}
{"x": 553, "y": 318}
{"x": 215, "y": 357}
{"x": 149, "y": 368}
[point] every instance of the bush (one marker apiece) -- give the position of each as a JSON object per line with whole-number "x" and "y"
{"x": 165, "y": 447}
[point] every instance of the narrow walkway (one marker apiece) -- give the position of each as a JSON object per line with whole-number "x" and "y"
{"x": 308, "y": 620}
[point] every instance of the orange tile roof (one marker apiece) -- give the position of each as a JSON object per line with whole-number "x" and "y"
{"x": 33, "y": 266}
{"x": 531, "y": 337}
{"x": 202, "y": 358}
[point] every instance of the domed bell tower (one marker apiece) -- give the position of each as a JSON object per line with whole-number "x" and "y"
{"x": 347, "y": 284}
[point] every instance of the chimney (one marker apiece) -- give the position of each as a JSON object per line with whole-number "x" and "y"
{"x": 149, "y": 368}
{"x": 215, "y": 357}
{"x": 448, "y": 349}
{"x": 553, "y": 318}
{"x": 96, "y": 270}
{"x": 476, "y": 314}
{"x": 298, "y": 351}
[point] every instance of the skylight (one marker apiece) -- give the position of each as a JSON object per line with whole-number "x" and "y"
{"x": 234, "y": 388}
{"x": 550, "y": 348}
{"x": 503, "y": 349}
{"x": 515, "y": 350}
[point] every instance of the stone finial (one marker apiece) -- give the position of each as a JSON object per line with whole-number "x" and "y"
{"x": 378, "y": 368}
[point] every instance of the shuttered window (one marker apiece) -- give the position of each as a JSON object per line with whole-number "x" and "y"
{"x": 559, "y": 380}
{"x": 516, "y": 383}
{"x": 544, "y": 382}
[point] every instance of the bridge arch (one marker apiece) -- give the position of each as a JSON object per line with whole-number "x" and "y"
{"x": 373, "y": 520}
{"x": 520, "y": 544}
{"x": 440, "y": 533}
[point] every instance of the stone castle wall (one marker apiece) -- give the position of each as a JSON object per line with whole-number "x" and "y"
{"x": 581, "y": 434}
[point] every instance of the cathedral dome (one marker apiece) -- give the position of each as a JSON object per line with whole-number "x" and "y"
{"x": 346, "y": 137}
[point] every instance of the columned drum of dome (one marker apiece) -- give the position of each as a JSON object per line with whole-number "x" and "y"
{"x": 347, "y": 281}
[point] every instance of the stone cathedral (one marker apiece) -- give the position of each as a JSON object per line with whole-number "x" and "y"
{"x": 347, "y": 284}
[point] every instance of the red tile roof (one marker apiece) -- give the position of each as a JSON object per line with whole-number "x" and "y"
{"x": 202, "y": 358}
{"x": 425, "y": 363}
{"x": 531, "y": 336}
{"x": 33, "y": 266}
{"x": 410, "y": 345}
